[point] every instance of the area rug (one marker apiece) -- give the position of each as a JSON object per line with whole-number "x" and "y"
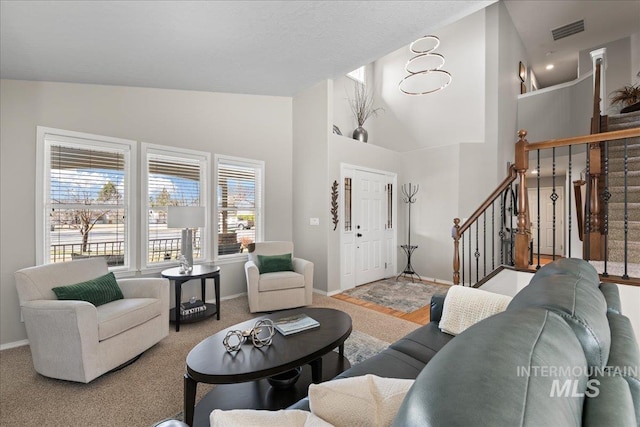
{"x": 360, "y": 346}
{"x": 403, "y": 295}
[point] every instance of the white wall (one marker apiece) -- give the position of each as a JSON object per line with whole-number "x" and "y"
{"x": 635, "y": 58}
{"x": 618, "y": 68}
{"x": 257, "y": 127}
{"x": 311, "y": 186}
{"x": 436, "y": 170}
{"x": 445, "y": 117}
{"x": 559, "y": 111}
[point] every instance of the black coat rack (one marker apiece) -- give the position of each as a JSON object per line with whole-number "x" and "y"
{"x": 409, "y": 197}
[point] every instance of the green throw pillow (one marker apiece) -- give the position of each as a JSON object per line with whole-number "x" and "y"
{"x": 97, "y": 291}
{"x": 273, "y": 263}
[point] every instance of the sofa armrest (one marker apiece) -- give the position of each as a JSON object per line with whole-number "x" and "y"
{"x": 305, "y": 268}
{"x": 437, "y": 303}
{"x": 144, "y": 287}
{"x": 59, "y": 332}
{"x": 253, "y": 278}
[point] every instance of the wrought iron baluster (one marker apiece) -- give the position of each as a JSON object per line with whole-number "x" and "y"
{"x": 511, "y": 237}
{"x": 501, "y": 233}
{"x": 476, "y": 254}
{"x": 470, "y": 265}
{"x": 493, "y": 235}
{"x": 554, "y": 198}
{"x": 538, "y": 207}
{"x": 606, "y": 195}
{"x": 626, "y": 212}
{"x": 587, "y": 211}
{"x": 569, "y": 204}
{"x": 462, "y": 251}
{"x": 484, "y": 241}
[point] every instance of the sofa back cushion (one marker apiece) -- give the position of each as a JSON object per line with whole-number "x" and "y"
{"x": 570, "y": 288}
{"x": 502, "y": 371}
{"x": 36, "y": 283}
{"x": 624, "y": 359}
{"x": 611, "y": 295}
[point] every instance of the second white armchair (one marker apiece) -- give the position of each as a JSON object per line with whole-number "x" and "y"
{"x": 270, "y": 290}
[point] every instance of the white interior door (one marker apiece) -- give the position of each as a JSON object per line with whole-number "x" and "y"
{"x": 369, "y": 226}
{"x": 546, "y": 220}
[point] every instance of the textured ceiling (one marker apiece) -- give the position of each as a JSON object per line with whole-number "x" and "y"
{"x": 253, "y": 47}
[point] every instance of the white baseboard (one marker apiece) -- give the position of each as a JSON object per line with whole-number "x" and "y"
{"x": 14, "y": 344}
{"x": 439, "y": 281}
{"x": 213, "y": 301}
{"x": 325, "y": 293}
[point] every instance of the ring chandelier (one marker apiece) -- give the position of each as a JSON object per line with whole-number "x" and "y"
{"x": 424, "y": 66}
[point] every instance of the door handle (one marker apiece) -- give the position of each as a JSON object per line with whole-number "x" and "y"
{"x": 359, "y": 235}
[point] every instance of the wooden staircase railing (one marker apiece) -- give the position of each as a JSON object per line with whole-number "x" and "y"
{"x": 595, "y": 231}
{"x": 522, "y": 238}
{"x": 459, "y": 231}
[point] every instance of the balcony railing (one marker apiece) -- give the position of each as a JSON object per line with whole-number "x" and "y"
{"x": 159, "y": 250}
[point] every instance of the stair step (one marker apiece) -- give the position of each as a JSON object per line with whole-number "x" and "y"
{"x": 616, "y": 231}
{"x": 617, "y": 149}
{"x": 617, "y": 194}
{"x": 617, "y": 268}
{"x": 623, "y": 125}
{"x": 616, "y": 211}
{"x": 616, "y": 251}
{"x": 617, "y": 164}
{"x": 617, "y": 178}
{"x": 615, "y": 119}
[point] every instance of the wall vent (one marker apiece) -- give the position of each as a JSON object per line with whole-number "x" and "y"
{"x": 568, "y": 30}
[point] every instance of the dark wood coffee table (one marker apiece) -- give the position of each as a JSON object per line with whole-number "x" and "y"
{"x": 243, "y": 374}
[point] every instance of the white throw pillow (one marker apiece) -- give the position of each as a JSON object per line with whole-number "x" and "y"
{"x": 251, "y": 418}
{"x": 465, "y": 306}
{"x": 367, "y": 401}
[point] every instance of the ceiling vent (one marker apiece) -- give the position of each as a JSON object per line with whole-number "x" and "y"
{"x": 568, "y": 30}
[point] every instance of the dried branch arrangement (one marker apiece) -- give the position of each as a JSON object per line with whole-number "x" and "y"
{"x": 334, "y": 204}
{"x": 362, "y": 104}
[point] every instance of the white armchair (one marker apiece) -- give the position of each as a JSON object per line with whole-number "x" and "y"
{"x": 277, "y": 290}
{"x": 77, "y": 341}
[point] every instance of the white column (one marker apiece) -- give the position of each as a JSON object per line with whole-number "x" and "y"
{"x": 596, "y": 55}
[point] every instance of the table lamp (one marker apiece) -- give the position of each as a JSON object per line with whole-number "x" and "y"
{"x": 187, "y": 218}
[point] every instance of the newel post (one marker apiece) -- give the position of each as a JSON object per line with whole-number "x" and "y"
{"x": 523, "y": 233}
{"x": 456, "y": 250}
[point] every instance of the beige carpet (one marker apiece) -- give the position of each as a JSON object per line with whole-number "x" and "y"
{"x": 148, "y": 390}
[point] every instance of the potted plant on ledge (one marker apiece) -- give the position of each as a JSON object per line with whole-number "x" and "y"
{"x": 362, "y": 107}
{"x": 628, "y": 97}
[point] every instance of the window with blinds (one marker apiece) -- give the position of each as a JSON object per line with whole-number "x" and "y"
{"x": 85, "y": 198}
{"x": 239, "y": 204}
{"x": 173, "y": 177}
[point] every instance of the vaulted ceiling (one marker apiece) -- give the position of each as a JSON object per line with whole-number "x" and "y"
{"x": 253, "y": 47}
{"x": 267, "y": 47}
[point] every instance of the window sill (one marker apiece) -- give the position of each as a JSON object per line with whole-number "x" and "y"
{"x": 231, "y": 259}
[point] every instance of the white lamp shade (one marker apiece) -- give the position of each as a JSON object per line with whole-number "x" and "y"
{"x": 185, "y": 216}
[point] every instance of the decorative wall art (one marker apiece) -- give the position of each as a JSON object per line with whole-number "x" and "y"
{"x": 522, "y": 74}
{"x": 334, "y": 204}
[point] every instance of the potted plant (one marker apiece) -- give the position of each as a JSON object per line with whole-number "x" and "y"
{"x": 626, "y": 96}
{"x": 362, "y": 107}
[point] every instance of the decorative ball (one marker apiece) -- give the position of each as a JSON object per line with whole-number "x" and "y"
{"x": 266, "y": 324}
{"x": 233, "y": 340}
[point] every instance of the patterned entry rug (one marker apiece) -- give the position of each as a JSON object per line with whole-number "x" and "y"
{"x": 402, "y": 295}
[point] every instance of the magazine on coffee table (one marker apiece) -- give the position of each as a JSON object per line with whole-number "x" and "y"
{"x": 293, "y": 324}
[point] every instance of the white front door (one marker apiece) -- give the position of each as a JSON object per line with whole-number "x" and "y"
{"x": 546, "y": 220}
{"x": 369, "y": 226}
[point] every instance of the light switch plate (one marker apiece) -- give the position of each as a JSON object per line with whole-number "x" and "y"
{"x": 314, "y": 221}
